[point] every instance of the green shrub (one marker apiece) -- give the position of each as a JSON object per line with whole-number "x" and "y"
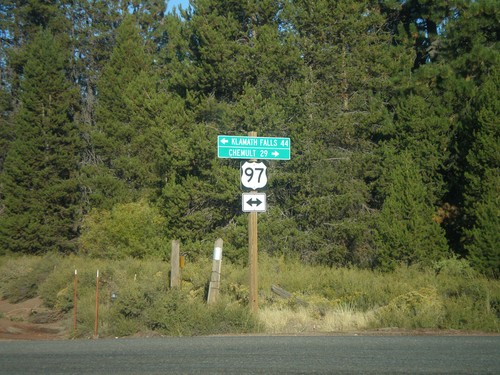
{"x": 455, "y": 267}
{"x": 13, "y": 271}
{"x": 421, "y": 308}
{"x": 57, "y": 290}
{"x": 464, "y": 313}
{"x": 229, "y": 317}
{"x": 127, "y": 230}
{"x": 120, "y": 326}
{"x": 26, "y": 276}
{"x": 130, "y": 302}
{"x": 172, "y": 313}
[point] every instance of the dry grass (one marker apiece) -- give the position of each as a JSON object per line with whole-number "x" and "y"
{"x": 322, "y": 299}
{"x": 307, "y": 319}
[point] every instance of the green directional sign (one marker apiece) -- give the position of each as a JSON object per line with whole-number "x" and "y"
{"x": 270, "y": 148}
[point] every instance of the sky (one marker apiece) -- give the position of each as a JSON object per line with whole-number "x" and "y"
{"x": 172, "y": 4}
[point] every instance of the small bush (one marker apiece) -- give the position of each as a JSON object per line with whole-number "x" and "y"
{"x": 13, "y": 271}
{"x": 128, "y": 230}
{"x": 422, "y": 308}
{"x": 26, "y": 276}
{"x": 57, "y": 289}
{"x": 120, "y": 326}
{"x": 175, "y": 313}
{"x": 130, "y": 303}
{"x": 455, "y": 267}
{"x": 463, "y": 313}
{"x": 228, "y": 316}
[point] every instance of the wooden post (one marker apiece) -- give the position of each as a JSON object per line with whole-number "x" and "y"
{"x": 213, "y": 289}
{"x": 253, "y": 255}
{"x": 75, "y": 284}
{"x": 253, "y": 260}
{"x": 96, "y": 325}
{"x": 175, "y": 275}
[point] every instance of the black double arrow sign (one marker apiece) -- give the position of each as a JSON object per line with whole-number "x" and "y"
{"x": 256, "y": 201}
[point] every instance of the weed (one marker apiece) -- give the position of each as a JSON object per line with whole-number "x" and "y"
{"x": 421, "y": 308}
{"x": 134, "y": 297}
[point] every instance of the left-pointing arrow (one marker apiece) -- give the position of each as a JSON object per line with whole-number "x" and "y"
{"x": 224, "y": 141}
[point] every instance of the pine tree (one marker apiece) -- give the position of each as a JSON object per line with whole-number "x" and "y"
{"x": 141, "y": 134}
{"x": 423, "y": 122}
{"x": 482, "y": 191}
{"x": 483, "y": 158}
{"x": 484, "y": 236}
{"x": 471, "y": 51}
{"x": 236, "y": 44}
{"x": 19, "y": 23}
{"x": 112, "y": 168}
{"x": 406, "y": 231}
{"x": 234, "y": 75}
{"x": 5, "y": 124}
{"x": 418, "y": 22}
{"x": 349, "y": 61}
{"x": 39, "y": 179}
{"x": 93, "y": 26}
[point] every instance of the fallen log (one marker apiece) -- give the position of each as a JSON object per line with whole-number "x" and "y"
{"x": 287, "y": 295}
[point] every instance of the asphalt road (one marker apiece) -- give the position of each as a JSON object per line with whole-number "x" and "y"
{"x": 256, "y": 355}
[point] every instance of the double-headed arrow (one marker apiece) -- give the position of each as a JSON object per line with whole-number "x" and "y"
{"x": 253, "y": 202}
{"x": 256, "y": 201}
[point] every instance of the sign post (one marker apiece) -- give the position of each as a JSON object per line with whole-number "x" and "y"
{"x": 75, "y": 285}
{"x": 253, "y": 178}
{"x": 253, "y": 254}
{"x": 96, "y": 323}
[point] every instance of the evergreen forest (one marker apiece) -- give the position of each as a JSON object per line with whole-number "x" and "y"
{"x": 110, "y": 112}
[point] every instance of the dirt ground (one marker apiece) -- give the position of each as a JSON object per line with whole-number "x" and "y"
{"x": 29, "y": 320}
